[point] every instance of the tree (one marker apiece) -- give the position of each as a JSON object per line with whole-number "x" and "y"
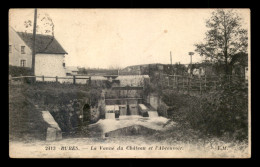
{"x": 45, "y": 25}
{"x": 224, "y": 39}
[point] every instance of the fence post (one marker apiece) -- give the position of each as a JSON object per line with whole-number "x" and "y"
{"x": 24, "y": 80}
{"x": 205, "y": 83}
{"x": 173, "y": 83}
{"x": 200, "y": 85}
{"x": 177, "y": 83}
{"x": 56, "y": 78}
{"x": 74, "y": 79}
{"x": 183, "y": 82}
{"x": 229, "y": 78}
{"x": 21, "y": 79}
{"x": 188, "y": 85}
{"x": 90, "y": 81}
{"x": 10, "y": 79}
{"x": 43, "y": 78}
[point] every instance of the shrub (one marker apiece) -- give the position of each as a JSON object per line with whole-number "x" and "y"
{"x": 223, "y": 113}
{"x": 162, "y": 110}
{"x": 18, "y": 71}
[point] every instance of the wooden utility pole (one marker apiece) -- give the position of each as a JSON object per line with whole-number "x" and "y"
{"x": 34, "y": 38}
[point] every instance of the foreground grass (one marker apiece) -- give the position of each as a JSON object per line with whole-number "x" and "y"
{"x": 25, "y": 121}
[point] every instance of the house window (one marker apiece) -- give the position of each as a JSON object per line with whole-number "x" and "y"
{"x": 23, "y": 49}
{"x": 23, "y": 63}
{"x": 10, "y": 48}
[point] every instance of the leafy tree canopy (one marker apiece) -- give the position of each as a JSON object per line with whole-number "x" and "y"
{"x": 225, "y": 37}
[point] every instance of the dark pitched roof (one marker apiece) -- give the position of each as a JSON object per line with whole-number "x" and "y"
{"x": 44, "y": 43}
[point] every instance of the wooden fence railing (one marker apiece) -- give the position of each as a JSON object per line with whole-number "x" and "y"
{"x": 200, "y": 84}
{"x": 177, "y": 82}
{"x": 72, "y": 79}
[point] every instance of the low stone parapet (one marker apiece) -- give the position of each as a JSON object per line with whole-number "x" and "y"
{"x": 53, "y": 131}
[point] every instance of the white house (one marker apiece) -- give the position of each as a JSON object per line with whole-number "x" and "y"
{"x": 49, "y": 58}
{"x": 20, "y": 53}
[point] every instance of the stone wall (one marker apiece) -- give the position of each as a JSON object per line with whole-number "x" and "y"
{"x": 154, "y": 100}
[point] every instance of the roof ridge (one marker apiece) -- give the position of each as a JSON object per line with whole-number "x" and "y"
{"x": 36, "y": 34}
{"x": 44, "y": 43}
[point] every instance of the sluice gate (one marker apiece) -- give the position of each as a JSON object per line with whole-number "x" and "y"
{"x": 124, "y": 101}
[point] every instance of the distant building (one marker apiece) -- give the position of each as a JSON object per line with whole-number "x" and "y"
{"x": 240, "y": 64}
{"x": 144, "y": 69}
{"x": 237, "y": 66}
{"x": 155, "y": 69}
{"x": 70, "y": 70}
{"x": 199, "y": 71}
{"x": 49, "y": 58}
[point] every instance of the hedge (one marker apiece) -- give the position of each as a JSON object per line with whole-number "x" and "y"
{"x": 15, "y": 71}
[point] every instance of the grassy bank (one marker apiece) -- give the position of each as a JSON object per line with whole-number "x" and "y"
{"x": 222, "y": 113}
{"x": 25, "y": 121}
{"x": 64, "y": 101}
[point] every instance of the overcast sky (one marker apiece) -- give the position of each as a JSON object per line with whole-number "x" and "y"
{"x": 103, "y": 38}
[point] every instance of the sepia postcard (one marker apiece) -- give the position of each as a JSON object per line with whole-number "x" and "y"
{"x": 129, "y": 83}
